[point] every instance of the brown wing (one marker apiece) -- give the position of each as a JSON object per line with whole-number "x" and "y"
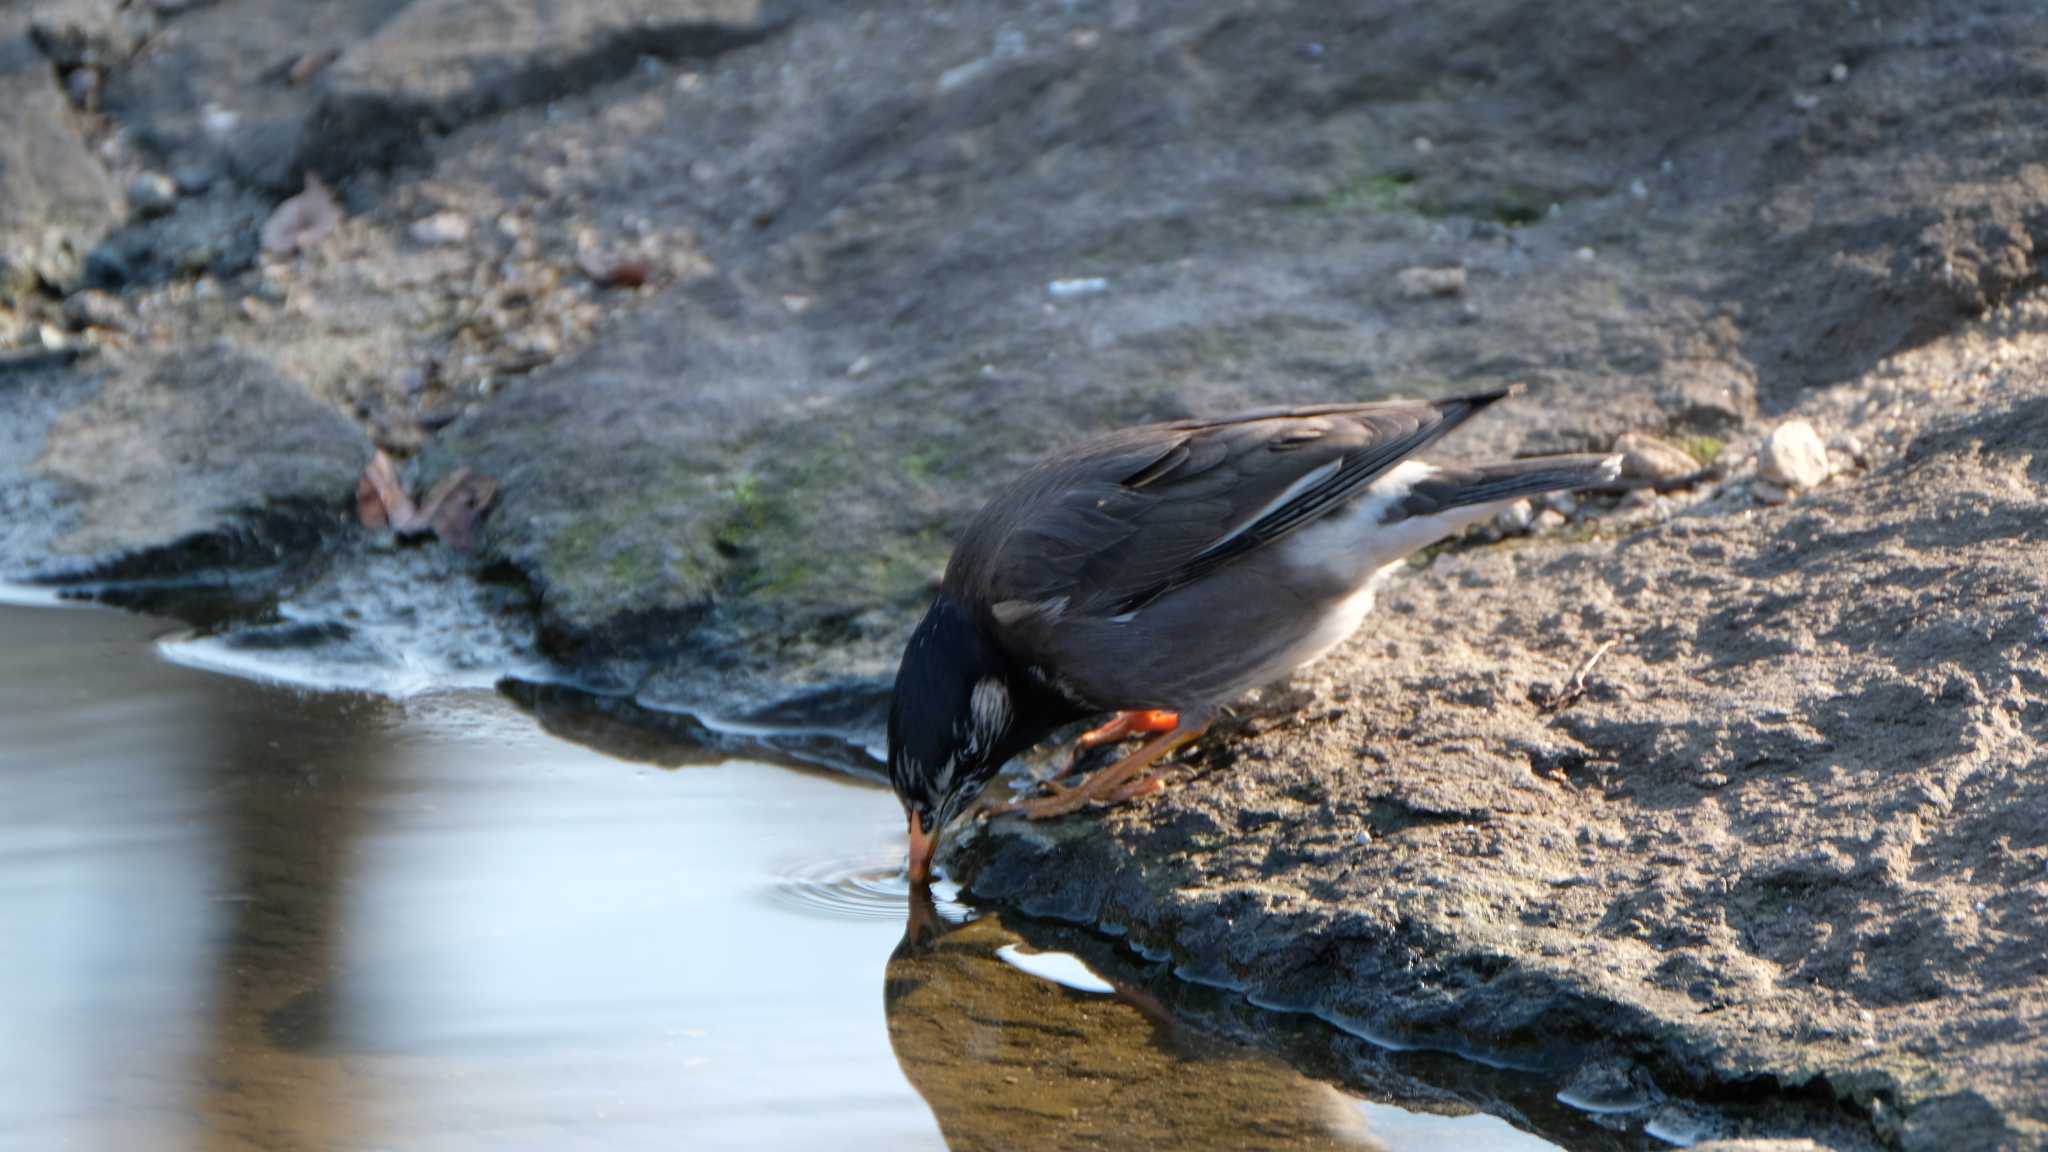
{"x": 1114, "y": 524}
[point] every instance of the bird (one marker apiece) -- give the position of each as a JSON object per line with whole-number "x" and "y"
{"x": 1156, "y": 574}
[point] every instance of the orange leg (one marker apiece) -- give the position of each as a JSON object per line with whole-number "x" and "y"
{"x": 1120, "y": 727}
{"x": 1111, "y": 785}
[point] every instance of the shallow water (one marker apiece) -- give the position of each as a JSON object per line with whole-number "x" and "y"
{"x": 239, "y": 915}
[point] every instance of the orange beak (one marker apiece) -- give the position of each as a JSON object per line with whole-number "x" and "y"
{"x": 922, "y": 845}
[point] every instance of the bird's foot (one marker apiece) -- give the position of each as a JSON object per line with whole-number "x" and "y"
{"x": 1119, "y": 728}
{"x": 1058, "y": 801}
{"x": 1138, "y": 789}
{"x": 1116, "y": 784}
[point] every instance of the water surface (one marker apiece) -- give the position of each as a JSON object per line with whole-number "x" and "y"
{"x": 247, "y": 916}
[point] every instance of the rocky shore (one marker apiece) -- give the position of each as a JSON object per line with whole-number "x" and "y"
{"x": 1727, "y": 781}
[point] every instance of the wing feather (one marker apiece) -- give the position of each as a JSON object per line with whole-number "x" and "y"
{"x": 1118, "y": 522}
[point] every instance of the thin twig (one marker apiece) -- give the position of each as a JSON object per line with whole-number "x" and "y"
{"x": 1576, "y": 687}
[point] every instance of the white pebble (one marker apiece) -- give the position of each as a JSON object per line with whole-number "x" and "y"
{"x": 1793, "y": 456}
{"x": 1422, "y": 283}
{"x": 152, "y": 194}
{"x": 1081, "y": 286}
{"x": 441, "y": 229}
{"x": 1515, "y": 519}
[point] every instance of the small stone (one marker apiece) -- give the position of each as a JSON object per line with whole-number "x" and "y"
{"x": 1424, "y": 145}
{"x": 106, "y": 267}
{"x": 1563, "y": 503}
{"x": 1423, "y": 283}
{"x": 219, "y": 122}
{"x": 1515, "y": 519}
{"x": 95, "y": 309}
{"x": 1838, "y": 73}
{"x": 442, "y": 229}
{"x": 195, "y": 258}
{"x": 192, "y": 178}
{"x": 152, "y": 194}
{"x": 1549, "y": 520}
{"x": 1793, "y": 456}
{"x": 1586, "y": 255}
{"x": 298, "y": 224}
{"x": 1769, "y": 493}
{"x": 1647, "y": 458}
{"x": 83, "y": 87}
{"x": 1638, "y": 190}
{"x": 1851, "y": 449}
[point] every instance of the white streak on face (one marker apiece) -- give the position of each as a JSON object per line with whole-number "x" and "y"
{"x": 989, "y": 713}
{"x": 908, "y": 771}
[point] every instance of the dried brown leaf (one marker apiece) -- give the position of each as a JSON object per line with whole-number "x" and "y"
{"x": 457, "y": 507}
{"x": 310, "y": 65}
{"x": 380, "y": 499}
{"x": 452, "y": 510}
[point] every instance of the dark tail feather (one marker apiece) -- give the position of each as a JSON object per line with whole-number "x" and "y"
{"x": 1462, "y": 487}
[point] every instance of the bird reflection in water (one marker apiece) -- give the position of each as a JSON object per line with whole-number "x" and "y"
{"x": 1008, "y": 1060}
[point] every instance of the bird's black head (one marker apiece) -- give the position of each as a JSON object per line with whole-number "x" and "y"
{"x": 958, "y": 716}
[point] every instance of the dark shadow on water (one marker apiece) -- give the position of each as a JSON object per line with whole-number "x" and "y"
{"x": 1008, "y": 1059}
{"x": 291, "y": 819}
{"x": 826, "y": 732}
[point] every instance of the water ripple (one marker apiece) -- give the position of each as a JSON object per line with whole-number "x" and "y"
{"x": 871, "y": 887}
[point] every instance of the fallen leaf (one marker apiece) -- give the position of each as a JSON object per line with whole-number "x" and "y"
{"x": 309, "y": 65}
{"x": 457, "y": 507}
{"x": 452, "y": 510}
{"x": 298, "y": 224}
{"x": 380, "y": 499}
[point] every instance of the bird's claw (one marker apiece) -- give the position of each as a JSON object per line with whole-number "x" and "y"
{"x": 1056, "y": 801}
{"x": 1062, "y": 801}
